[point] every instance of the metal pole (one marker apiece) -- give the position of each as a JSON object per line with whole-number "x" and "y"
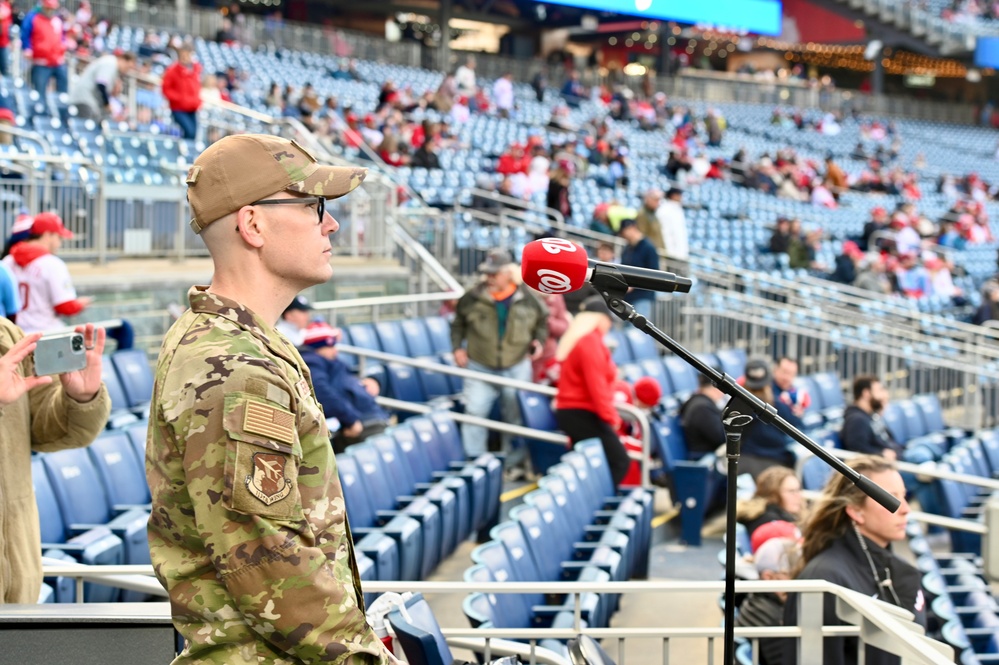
{"x": 444, "y": 52}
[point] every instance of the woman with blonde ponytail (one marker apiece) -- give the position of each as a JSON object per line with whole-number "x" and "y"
{"x": 584, "y": 403}
{"x": 847, "y": 540}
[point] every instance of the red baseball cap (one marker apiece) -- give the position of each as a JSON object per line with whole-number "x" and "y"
{"x": 775, "y": 529}
{"x": 320, "y": 334}
{"x": 49, "y": 222}
{"x": 50, "y": 4}
{"x": 648, "y": 391}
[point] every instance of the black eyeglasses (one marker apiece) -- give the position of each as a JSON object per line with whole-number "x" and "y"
{"x": 306, "y": 201}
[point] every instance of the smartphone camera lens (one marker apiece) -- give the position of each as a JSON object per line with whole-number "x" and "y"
{"x": 78, "y": 343}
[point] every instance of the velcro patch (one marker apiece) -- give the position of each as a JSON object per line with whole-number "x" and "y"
{"x": 192, "y": 175}
{"x": 269, "y": 421}
{"x": 268, "y": 482}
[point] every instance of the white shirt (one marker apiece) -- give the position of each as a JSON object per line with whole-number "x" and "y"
{"x": 674, "y": 229}
{"x": 503, "y": 94}
{"x": 103, "y": 70}
{"x": 42, "y": 284}
{"x": 464, "y": 77}
{"x": 907, "y": 240}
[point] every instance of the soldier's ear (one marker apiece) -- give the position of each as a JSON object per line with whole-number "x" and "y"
{"x": 248, "y": 225}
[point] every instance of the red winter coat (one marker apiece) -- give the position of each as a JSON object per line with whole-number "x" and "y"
{"x": 587, "y": 379}
{"x": 182, "y": 87}
{"x": 6, "y": 18}
{"x": 47, "y": 47}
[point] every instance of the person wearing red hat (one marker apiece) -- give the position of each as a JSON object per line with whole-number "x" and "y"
{"x": 847, "y": 263}
{"x": 43, "y": 279}
{"x": 876, "y": 224}
{"x": 341, "y": 394}
{"x": 43, "y": 44}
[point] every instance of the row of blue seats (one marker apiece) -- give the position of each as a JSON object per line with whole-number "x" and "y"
{"x": 414, "y": 485}
{"x": 574, "y": 527}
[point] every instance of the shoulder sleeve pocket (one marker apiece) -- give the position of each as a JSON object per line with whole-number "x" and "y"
{"x": 262, "y": 458}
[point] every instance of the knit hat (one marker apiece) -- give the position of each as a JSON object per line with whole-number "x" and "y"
{"x": 771, "y": 530}
{"x": 320, "y": 334}
{"x": 648, "y": 391}
{"x": 775, "y": 555}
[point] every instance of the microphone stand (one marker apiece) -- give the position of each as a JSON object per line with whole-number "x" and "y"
{"x": 739, "y": 412}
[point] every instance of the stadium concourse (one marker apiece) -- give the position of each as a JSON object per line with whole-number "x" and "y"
{"x": 397, "y": 274}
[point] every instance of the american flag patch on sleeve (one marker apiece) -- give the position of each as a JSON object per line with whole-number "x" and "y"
{"x": 269, "y": 421}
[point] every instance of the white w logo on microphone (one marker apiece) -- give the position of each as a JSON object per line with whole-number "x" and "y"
{"x": 552, "y": 282}
{"x": 557, "y": 245}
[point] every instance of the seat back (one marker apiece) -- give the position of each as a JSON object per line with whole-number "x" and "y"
{"x": 426, "y": 434}
{"x": 682, "y": 376}
{"x": 53, "y": 529}
{"x": 435, "y": 384}
{"x": 440, "y": 333}
{"x": 831, "y": 392}
{"x": 914, "y": 425}
{"x": 449, "y": 435}
{"x": 404, "y": 383}
{"x": 619, "y": 347}
{"x": 116, "y": 464}
{"x": 930, "y": 411}
{"x": 814, "y": 473}
{"x": 419, "y": 634}
{"x": 654, "y": 368}
{"x": 642, "y": 346}
{"x": 119, "y": 402}
{"x": 137, "y": 433}
{"x": 732, "y": 361}
{"x": 417, "y": 337}
{"x": 132, "y": 366}
{"x": 536, "y": 413}
{"x": 359, "y": 509}
{"x": 894, "y": 420}
{"x": 413, "y": 451}
{"x": 391, "y": 339}
{"x": 77, "y": 487}
{"x": 398, "y": 473}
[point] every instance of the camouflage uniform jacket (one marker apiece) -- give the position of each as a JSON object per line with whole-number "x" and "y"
{"x": 44, "y": 420}
{"x": 248, "y": 531}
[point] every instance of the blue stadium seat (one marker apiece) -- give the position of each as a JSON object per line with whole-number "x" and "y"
{"x": 619, "y": 346}
{"x": 440, "y": 333}
{"x": 137, "y": 436}
{"x": 136, "y": 375}
{"x": 536, "y": 413}
{"x": 388, "y": 504}
{"x": 486, "y": 486}
{"x": 931, "y": 412}
{"x": 682, "y": 376}
{"x": 405, "y": 559}
{"x": 417, "y": 337}
{"x": 391, "y": 339}
{"x": 895, "y": 422}
{"x": 363, "y": 335}
{"x": 831, "y": 394}
{"x": 419, "y": 634}
{"x": 84, "y": 503}
{"x": 94, "y": 547}
{"x": 914, "y": 425}
{"x": 404, "y": 384}
{"x": 123, "y": 476}
{"x": 653, "y": 367}
{"x": 732, "y": 361}
{"x": 119, "y": 403}
{"x": 814, "y": 473}
{"x": 642, "y": 346}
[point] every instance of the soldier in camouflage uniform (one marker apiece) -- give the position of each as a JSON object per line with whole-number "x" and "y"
{"x": 248, "y": 532}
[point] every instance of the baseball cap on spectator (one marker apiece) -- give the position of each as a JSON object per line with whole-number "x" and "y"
{"x": 299, "y": 304}
{"x": 601, "y": 209}
{"x": 770, "y": 530}
{"x": 775, "y": 555}
{"x": 495, "y": 261}
{"x": 627, "y": 224}
{"x": 49, "y": 222}
{"x": 320, "y": 334}
{"x": 237, "y": 170}
{"x": 878, "y": 212}
{"x": 674, "y": 191}
{"x": 933, "y": 263}
{"x": 596, "y": 304}
{"x": 50, "y": 4}
{"x": 648, "y": 391}
{"x": 757, "y": 374}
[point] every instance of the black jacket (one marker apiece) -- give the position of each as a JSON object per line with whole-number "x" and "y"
{"x": 772, "y": 513}
{"x": 764, "y": 610}
{"x": 701, "y": 421}
{"x": 762, "y": 440}
{"x": 844, "y": 563}
{"x": 863, "y": 433}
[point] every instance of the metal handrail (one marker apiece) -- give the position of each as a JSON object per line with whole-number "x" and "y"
{"x": 865, "y": 617}
{"x": 627, "y": 410}
{"x": 513, "y": 202}
{"x": 444, "y": 279}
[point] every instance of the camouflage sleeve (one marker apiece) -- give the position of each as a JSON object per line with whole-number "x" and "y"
{"x": 285, "y": 564}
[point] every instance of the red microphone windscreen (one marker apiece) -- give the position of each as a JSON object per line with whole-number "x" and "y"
{"x": 554, "y": 265}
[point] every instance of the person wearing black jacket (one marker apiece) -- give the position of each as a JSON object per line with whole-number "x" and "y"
{"x": 847, "y": 541}
{"x": 774, "y": 560}
{"x": 701, "y": 420}
{"x": 863, "y": 430}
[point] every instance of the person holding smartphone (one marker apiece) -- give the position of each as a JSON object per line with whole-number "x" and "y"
{"x": 38, "y": 413}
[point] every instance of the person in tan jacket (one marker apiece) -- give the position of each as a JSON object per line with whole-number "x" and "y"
{"x": 43, "y": 415}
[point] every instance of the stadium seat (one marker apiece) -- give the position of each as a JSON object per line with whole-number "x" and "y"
{"x": 122, "y": 474}
{"x": 388, "y": 504}
{"x": 417, "y": 337}
{"x": 682, "y": 376}
{"x": 536, "y": 413}
{"x": 364, "y": 520}
{"x": 419, "y": 634}
{"x": 84, "y": 503}
{"x": 449, "y": 438}
{"x": 642, "y": 346}
{"x": 440, "y": 333}
{"x": 404, "y": 384}
{"x": 95, "y": 546}
{"x": 732, "y": 361}
{"x": 391, "y": 339}
{"x": 136, "y": 375}
{"x": 363, "y": 335}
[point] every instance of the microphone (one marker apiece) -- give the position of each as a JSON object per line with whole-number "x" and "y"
{"x": 555, "y": 265}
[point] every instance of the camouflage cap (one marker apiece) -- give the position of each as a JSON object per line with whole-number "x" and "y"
{"x": 238, "y": 170}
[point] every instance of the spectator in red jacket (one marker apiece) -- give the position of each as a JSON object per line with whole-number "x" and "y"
{"x": 42, "y": 41}
{"x": 182, "y": 89}
{"x": 6, "y": 18}
{"x": 584, "y": 403}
